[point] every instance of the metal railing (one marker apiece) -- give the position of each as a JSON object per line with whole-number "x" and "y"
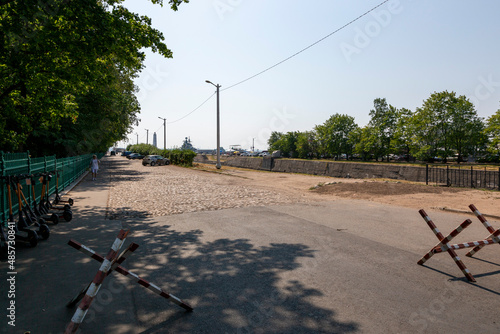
{"x": 463, "y": 177}
{"x": 64, "y": 171}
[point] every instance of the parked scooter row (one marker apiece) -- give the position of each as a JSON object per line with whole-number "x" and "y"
{"x": 33, "y": 218}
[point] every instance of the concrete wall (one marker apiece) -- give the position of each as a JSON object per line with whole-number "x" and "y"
{"x": 326, "y": 168}
{"x": 351, "y": 169}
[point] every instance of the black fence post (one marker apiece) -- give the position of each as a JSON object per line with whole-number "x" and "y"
{"x": 427, "y": 175}
{"x": 448, "y": 182}
{"x": 471, "y": 177}
{"x": 498, "y": 178}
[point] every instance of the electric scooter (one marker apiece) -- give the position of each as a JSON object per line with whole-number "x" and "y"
{"x": 58, "y": 199}
{"x": 27, "y": 224}
{"x": 28, "y": 236}
{"x": 53, "y": 217}
{"x": 45, "y": 204}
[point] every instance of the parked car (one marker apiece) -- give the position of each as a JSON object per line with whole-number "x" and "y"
{"x": 112, "y": 153}
{"x": 126, "y": 153}
{"x": 153, "y": 160}
{"x": 264, "y": 154}
{"x": 135, "y": 156}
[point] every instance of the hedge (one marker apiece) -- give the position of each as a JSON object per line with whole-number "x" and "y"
{"x": 176, "y": 156}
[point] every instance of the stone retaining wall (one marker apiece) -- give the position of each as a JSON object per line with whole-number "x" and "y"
{"x": 325, "y": 168}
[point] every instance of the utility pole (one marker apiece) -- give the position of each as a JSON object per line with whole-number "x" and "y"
{"x": 164, "y": 132}
{"x": 253, "y": 144}
{"x": 218, "y": 124}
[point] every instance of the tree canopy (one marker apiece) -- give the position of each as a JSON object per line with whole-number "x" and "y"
{"x": 445, "y": 126}
{"x": 67, "y": 71}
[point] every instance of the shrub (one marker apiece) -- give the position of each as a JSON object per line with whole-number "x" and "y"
{"x": 176, "y": 156}
{"x": 180, "y": 157}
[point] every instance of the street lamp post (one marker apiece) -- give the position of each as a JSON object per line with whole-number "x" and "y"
{"x": 218, "y": 124}
{"x": 164, "y": 132}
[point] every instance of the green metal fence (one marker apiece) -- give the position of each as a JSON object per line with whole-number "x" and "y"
{"x": 64, "y": 170}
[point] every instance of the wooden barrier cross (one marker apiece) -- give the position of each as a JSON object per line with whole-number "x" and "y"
{"x": 445, "y": 246}
{"x": 108, "y": 264}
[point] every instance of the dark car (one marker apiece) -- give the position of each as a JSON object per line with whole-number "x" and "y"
{"x": 155, "y": 160}
{"x": 126, "y": 153}
{"x": 135, "y": 156}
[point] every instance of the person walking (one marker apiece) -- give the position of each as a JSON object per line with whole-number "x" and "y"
{"x": 94, "y": 166}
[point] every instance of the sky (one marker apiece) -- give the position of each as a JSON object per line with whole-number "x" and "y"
{"x": 403, "y": 51}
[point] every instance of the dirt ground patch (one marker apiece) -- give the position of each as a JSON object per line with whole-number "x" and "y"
{"x": 368, "y": 189}
{"x": 400, "y": 193}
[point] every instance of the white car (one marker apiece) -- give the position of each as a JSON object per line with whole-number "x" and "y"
{"x": 264, "y": 154}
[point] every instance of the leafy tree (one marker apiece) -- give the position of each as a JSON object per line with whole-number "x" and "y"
{"x": 57, "y": 57}
{"x": 287, "y": 144}
{"x": 383, "y": 123}
{"x": 333, "y": 135}
{"x": 492, "y": 131}
{"x": 445, "y": 125}
{"x": 402, "y": 141}
{"x": 307, "y": 146}
{"x": 272, "y": 142}
{"x": 466, "y": 129}
{"x": 367, "y": 143}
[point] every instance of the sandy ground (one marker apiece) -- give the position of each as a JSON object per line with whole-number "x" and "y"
{"x": 141, "y": 191}
{"x": 400, "y": 193}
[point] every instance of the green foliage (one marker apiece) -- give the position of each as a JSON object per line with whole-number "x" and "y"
{"x": 307, "y": 145}
{"x": 177, "y": 156}
{"x": 286, "y": 143}
{"x": 144, "y": 149}
{"x": 445, "y": 125}
{"x": 333, "y": 136}
{"x": 492, "y": 131}
{"x": 181, "y": 157}
{"x": 67, "y": 71}
{"x": 402, "y": 143}
{"x": 383, "y": 126}
{"x": 273, "y": 139}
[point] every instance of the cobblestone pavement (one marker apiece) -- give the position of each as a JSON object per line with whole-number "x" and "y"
{"x": 141, "y": 191}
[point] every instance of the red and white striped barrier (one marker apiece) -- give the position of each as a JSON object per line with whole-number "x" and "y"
{"x": 132, "y": 247}
{"x": 128, "y": 273}
{"x": 445, "y": 246}
{"x": 96, "y": 283}
{"x": 494, "y": 234}
{"x": 111, "y": 262}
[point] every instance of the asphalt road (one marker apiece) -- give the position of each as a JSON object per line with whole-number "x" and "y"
{"x": 329, "y": 267}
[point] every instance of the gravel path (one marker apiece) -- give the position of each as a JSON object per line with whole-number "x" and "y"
{"x": 141, "y": 191}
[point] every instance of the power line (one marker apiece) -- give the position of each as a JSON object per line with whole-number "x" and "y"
{"x": 284, "y": 60}
{"x": 308, "y": 47}
{"x": 198, "y": 107}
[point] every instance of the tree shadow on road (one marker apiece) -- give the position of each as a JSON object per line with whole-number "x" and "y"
{"x": 233, "y": 285}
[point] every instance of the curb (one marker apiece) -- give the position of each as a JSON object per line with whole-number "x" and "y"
{"x": 72, "y": 185}
{"x": 463, "y": 211}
